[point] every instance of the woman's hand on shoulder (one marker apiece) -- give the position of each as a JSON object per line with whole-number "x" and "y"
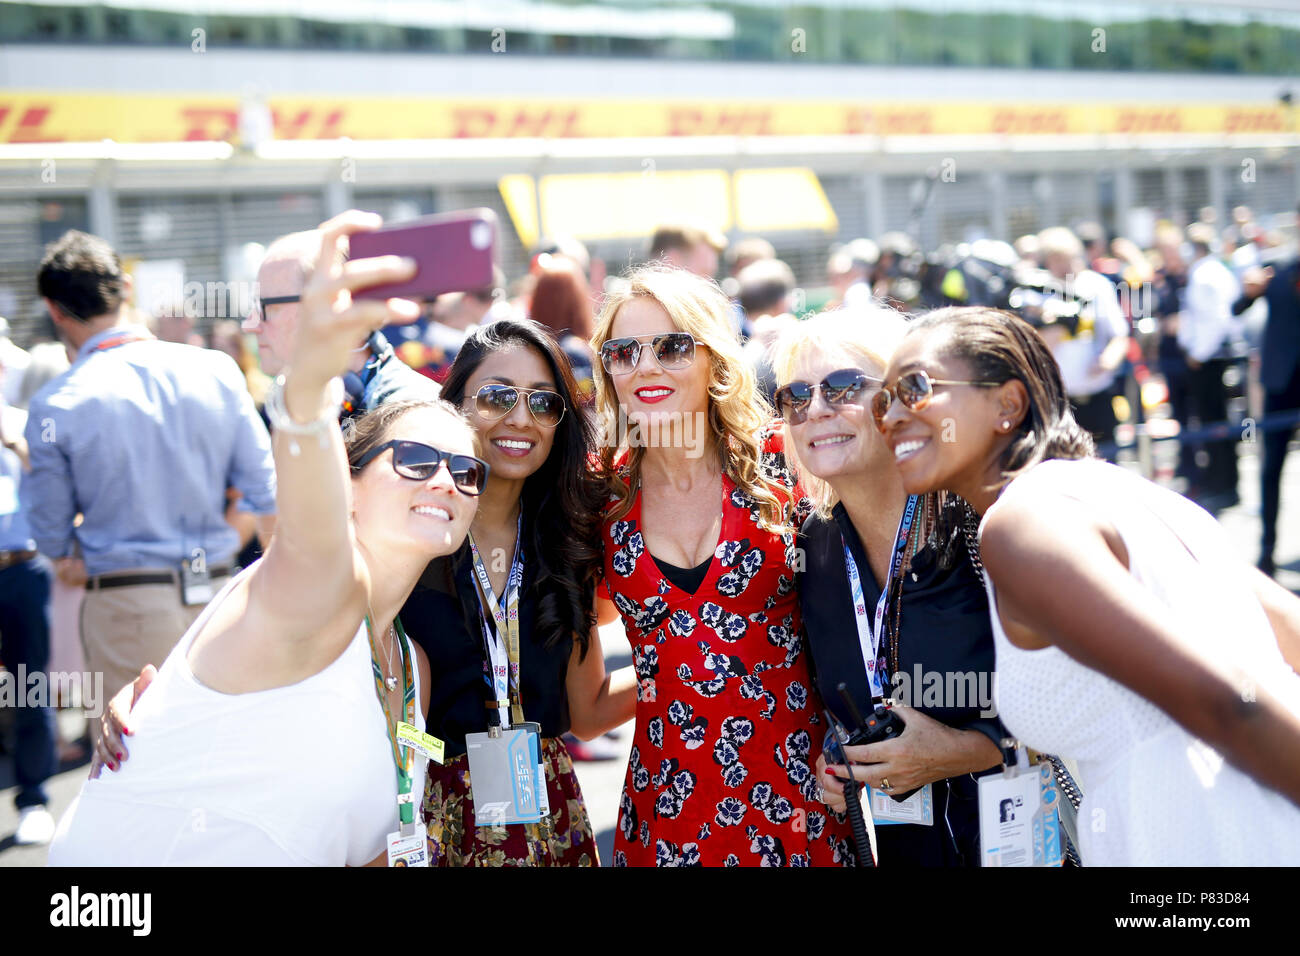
{"x": 110, "y": 749}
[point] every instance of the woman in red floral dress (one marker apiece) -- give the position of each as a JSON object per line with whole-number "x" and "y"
{"x": 699, "y": 559}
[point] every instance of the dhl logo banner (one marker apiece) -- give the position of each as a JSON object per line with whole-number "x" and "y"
{"x": 27, "y": 117}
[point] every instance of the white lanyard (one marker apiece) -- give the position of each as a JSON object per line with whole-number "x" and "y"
{"x": 500, "y": 674}
{"x": 869, "y": 637}
{"x": 503, "y": 660}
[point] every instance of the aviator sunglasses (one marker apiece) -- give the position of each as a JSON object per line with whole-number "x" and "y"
{"x": 672, "y": 350}
{"x": 495, "y": 402}
{"x": 914, "y": 390}
{"x": 420, "y": 462}
{"x": 844, "y": 387}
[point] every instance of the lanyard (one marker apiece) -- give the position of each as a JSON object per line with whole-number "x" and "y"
{"x": 122, "y": 338}
{"x": 504, "y": 661}
{"x": 868, "y": 637}
{"x": 403, "y": 757}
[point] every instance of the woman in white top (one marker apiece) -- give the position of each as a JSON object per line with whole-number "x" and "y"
{"x": 1126, "y": 637}
{"x": 268, "y": 736}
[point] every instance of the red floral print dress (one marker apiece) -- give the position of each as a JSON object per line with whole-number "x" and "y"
{"x": 727, "y": 723}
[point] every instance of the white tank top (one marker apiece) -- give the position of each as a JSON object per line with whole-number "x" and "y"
{"x": 1154, "y": 795}
{"x": 301, "y": 775}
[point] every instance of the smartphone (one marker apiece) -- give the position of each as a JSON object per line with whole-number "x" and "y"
{"x": 453, "y": 252}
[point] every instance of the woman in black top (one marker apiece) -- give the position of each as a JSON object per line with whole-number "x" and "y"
{"x": 935, "y": 655}
{"x": 516, "y": 387}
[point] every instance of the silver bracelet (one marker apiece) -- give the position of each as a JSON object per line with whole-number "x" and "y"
{"x": 320, "y": 427}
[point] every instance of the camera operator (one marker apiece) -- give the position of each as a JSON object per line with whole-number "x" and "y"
{"x": 896, "y": 274}
{"x": 1090, "y": 350}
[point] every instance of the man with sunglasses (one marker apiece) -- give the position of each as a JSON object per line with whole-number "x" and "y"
{"x": 376, "y": 375}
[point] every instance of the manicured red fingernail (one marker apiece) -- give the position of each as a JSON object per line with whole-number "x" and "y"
{"x": 119, "y": 757}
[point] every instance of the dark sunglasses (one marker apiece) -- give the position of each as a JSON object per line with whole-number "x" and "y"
{"x": 672, "y": 350}
{"x": 495, "y": 402}
{"x": 914, "y": 390}
{"x": 845, "y": 387}
{"x": 420, "y": 462}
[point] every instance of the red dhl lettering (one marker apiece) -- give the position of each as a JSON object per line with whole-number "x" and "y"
{"x": 1014, "y": 121}
{"x": 889, "y": 122}
{"x": 30, "y": 125}
{"x": 1149, "y": 121}
{"x": 547, "y": 123}
{"x": 695, "y": 122}
{"x": 307, "y": 124}
{"x": 209, "y": 123}
{"x": 476, "y": 123}
{"x": 1249, "y": 121}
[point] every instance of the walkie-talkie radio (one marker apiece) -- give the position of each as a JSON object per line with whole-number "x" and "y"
{"x": 883, "y": 724}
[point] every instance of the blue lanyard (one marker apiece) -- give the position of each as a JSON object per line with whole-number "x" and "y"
{"x": 869, "y": 638}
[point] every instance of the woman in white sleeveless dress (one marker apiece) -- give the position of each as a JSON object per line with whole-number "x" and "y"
{"x": 268, "y": 737}
{"x": 1127, "y": 638}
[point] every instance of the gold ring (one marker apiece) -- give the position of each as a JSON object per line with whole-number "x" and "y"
{"x": 884, "y": 784}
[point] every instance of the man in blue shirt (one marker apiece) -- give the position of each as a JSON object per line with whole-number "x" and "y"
{"x": 25, "y": 583}
{"x": 142, "y": 438}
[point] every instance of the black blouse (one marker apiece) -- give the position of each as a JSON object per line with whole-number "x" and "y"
{"x": 945, "y": 648}
{"x": 442, "y": 616}
{"x": 688, "y": 579}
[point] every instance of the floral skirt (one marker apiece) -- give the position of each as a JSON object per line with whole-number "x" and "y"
{"x": 454, "y": 840}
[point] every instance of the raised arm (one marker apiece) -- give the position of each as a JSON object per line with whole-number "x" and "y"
{"x": 311, "y": 575}
{"x": 1081, "y": 597}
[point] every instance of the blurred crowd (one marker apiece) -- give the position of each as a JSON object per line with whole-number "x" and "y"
{"x": 1167, "y": 338}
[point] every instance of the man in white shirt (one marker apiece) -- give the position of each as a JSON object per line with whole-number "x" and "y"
{"x": 1089, "y": 356}
{"x": 1207, "y": 332}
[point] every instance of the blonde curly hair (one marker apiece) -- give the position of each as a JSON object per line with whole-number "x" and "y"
{"x": 737, "y": 413}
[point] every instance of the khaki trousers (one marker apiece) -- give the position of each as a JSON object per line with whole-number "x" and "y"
{"x": 122, "y": 629}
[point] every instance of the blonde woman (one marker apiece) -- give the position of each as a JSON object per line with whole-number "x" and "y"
{"x": 909, "y": 562}
{"x": 700, "y": 561}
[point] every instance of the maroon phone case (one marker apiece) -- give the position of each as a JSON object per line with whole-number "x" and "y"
{"x": 453, "y": 253}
